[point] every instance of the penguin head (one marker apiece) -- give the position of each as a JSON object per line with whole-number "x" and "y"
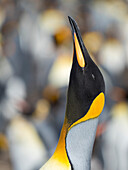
{"x": 86, "y": 81}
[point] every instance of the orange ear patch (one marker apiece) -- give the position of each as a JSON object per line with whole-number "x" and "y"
{"x": 79, "y": 54}
{"x": 94, "y": 111}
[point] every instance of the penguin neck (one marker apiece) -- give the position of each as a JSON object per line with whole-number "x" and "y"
{"x": 76, "y": 140}
{"x": 81, "y": 135}
{"x": 79, "y": 143}
{"x": 60, "y": 155}
{"x": 59, "y": 159}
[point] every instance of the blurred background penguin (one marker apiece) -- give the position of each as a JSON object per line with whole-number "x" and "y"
{"x": 35, "y": 61}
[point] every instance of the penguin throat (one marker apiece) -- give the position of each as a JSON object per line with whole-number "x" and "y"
{"x": 59, "y": 159}
{"x": 81, "y": 132}
{"x": 94, "y": 110}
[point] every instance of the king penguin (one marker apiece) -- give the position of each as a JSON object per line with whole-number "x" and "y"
{"x": 85, "y": 102}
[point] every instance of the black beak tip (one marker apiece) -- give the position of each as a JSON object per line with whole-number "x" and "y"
{"x": 70, "y": 18}
{"x": 74, "y": 26}
{"x": 72, "y": 23}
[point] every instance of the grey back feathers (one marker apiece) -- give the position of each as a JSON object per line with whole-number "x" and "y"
{"x": 79, "y": 143}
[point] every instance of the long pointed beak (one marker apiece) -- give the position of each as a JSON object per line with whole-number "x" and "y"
{"x": 78, "y": 43}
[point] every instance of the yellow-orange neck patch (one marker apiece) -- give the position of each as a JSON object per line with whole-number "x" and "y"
{"x": 60, "y": 160}
{"x": 94, "y": 111}
{"x": 79, "y": 54}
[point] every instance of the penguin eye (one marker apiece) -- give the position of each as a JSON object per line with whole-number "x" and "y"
{"x": 93, "y": 76}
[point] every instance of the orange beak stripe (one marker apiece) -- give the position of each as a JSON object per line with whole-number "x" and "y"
{"x": 79, "y": 54}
